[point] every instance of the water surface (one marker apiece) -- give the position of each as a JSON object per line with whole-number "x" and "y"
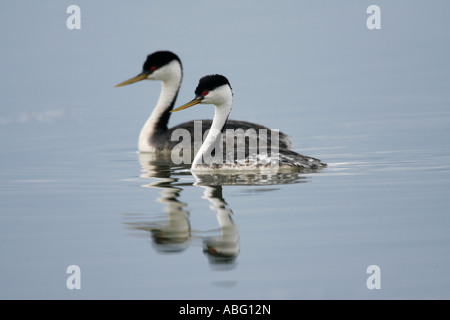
{"x": 373, "y": 104}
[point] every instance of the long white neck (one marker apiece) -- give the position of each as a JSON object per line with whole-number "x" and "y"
{"x": 221, "y": 113}
{"x": 157, "y": 122}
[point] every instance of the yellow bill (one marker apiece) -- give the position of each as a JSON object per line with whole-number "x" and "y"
{"x": 187, "y": 105}
{"x": 139, "y": 77}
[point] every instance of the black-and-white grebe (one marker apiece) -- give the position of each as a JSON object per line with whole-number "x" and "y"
{"x": 216, "y": 90}
{"x": 155, "y": 135}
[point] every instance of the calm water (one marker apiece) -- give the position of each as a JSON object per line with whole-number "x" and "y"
{"x": 373, "y": 104}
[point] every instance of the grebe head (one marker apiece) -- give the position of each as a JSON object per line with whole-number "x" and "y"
{"x": 212, "y": 89}
{"x": 160, "y": 65}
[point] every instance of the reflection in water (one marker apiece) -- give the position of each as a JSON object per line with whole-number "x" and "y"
{"x": 222, "y": 249}
{"x": 173, "y": 232}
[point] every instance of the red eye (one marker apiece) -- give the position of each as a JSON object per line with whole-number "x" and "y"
{"x": 152, "y": 68}
{"x": 204, "y": 93}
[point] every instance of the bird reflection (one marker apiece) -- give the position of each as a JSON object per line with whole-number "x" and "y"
{"x": 224, "y": 248}
{"x": 172, "y": 232}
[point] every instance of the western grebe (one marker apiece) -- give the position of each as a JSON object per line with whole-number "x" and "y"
{"x": 215, "y": 89}
{"x": 155, "y": 135}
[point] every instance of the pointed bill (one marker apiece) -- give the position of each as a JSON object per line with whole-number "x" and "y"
{"x": 189, "y": 104}
{"x": 139, "y": 77}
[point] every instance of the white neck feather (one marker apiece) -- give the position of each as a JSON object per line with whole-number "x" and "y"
{"x": 222, "y": 110}
{"x": 171, "y": 81}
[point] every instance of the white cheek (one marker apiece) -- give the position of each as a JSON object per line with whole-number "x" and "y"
{"x": 159, "y": 74}
{"x": 207, "y": 100}
{"x": 168, "y": 72}
{"x": 218, "y": 96}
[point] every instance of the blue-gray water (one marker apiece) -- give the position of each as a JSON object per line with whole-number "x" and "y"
{"x": 373, "y": 104}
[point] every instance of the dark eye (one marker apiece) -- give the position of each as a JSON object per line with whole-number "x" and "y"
{"x": 152, "y": 68}
{"x": 204, "y": 93}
